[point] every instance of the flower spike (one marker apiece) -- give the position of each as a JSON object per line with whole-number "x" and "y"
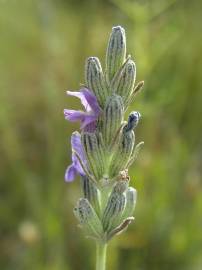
{"x": 105, "y": 148}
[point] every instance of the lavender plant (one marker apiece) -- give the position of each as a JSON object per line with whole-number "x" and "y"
{"x": 105, "y": 147}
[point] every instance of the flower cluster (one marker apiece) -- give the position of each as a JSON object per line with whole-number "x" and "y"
{"x": 105, "y": 147}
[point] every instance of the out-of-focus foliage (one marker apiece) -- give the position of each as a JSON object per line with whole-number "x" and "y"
{"x": 43, "y": 47}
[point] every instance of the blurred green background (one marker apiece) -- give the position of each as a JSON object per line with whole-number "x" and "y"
{"x": 43, "y": 46}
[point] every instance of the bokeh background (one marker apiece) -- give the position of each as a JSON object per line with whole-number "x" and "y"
{"x": 43, "y": 46}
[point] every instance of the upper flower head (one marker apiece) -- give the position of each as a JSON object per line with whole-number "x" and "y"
{"x": 89, "y": 117}
{"x": 75, "y": 168}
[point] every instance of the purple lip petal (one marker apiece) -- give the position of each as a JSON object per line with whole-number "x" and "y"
{"x": 91, "y": 100}
{"x": 89, "y": 117}
{"x": 73, "y": 115}
{"x": 76, "y": 145}
{"x": 76, "y": 168}
{"x": 70, "y": 173}
{"x": 76, "y": 142}
{"x": 77, "y": 165}
{"x": 81, "y": 96}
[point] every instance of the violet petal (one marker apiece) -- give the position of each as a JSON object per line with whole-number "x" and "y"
{"x": 73, "y": 115}
{"x": 70, "y": 173}
{"x": 88, "y": 120}
{"x": 81, "y": 96}
{"x": 91, "y": 100}
{"x": 76, "y": 144}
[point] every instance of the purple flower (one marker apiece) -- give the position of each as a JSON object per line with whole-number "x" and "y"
{"x": 75, "y": 168}
{"x": 89, "y": 117}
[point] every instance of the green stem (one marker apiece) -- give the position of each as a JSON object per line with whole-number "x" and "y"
{"x": 101, "y": 250}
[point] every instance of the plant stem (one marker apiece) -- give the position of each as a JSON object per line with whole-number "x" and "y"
{"x": 101, "y": 250}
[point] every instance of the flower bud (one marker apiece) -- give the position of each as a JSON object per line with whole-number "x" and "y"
{"x": 93, "y": 147}
{"x": 116, "y": 52}
{"x": 123, "y": 83}
{"x": 122, "y": 152}
{"x": 133, "y": 120}
{"x": 112, "y": 118}
{"x": 94, "y": 79}
{"x": 131, "y": 197}
{"x": 124, "y": 218}
{"x": 91, "y": 193}
{"x": 88, "y": 218}
{"x": 115, "y": 206}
